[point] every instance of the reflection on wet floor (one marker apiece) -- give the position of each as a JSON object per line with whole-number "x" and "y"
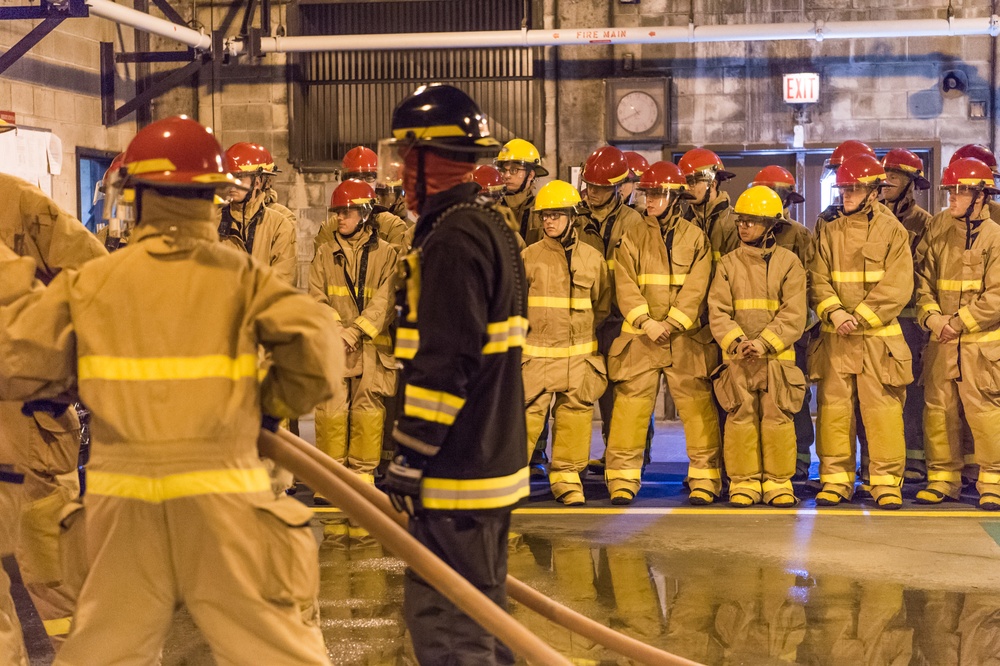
{"x": 711, "y": 607}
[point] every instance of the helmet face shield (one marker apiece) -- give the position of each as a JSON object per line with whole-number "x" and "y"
{"x": 391, "y": 157}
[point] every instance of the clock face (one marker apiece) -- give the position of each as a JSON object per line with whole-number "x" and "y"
{"x": 637, "y": 112}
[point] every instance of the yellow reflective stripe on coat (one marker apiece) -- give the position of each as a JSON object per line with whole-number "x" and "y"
{"x": 637, "y": 312}
{"x": 959, "y": 285}
{"x": 560, "y": 303}
{"x": 467, "y": 494}
{"x": 826, "y": 304}
{"x": 731, "y": 338}
{"x": 584, "y": 349}
{"x": 971, "y": 325}
{"x": 339, "y": 290}
{"x": 58, "y": 626}
{"x": 929, "y": 308}
{"x": 756, "y": 304}
{"x": 982, "y": 336}
{"x": 435, "y": 406}
{"x": 848, "y": 277}
{"x": 174, "y": 486}
{"x": 883, "y": 332}
{"x": 367, "y": 327}
{"x": 772, "y": 339}
{"x": 167, "y": 368}
{"x": 407, "y": 342}
{"x": 663, "y": 279}
{"x": 868, "y": 314}
{"x": 681, "y": 318}
{"x": 505, "y": 334}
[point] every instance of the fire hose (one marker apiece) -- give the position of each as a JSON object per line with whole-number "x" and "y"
{"x": 371, "y": 508}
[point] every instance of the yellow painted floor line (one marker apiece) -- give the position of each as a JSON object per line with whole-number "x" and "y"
{"x": 724, "y": 511}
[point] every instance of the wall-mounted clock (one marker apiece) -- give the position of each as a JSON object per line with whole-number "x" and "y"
{"x": 638, "y": 110}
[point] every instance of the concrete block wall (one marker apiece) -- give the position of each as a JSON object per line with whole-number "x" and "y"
{"x": 57, "y": 86}
{"x": 877, "y": 90}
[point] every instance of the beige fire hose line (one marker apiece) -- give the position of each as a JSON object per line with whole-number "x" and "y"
{"x": 520, "y": 592}
{"x": 443, "y": 578}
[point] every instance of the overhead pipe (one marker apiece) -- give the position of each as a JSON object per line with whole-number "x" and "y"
{"x": 691, "y": 34}
{"x": 151, "y": 24}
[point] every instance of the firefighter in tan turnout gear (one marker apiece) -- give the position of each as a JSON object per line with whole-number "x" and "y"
{"x": 568, "y": 295}
{"x": 862, "y": 278}
{"x": 40, "y": 439}
{"x": 248, "y": 224}
{"x": 708, "y": 207}
{"x": 958, "y": 300}
{"x": 520, "y": 165}
{"x": 757, "y": 311}
{"x": 353, "y": 274}
{"x": 794, "y": 236}
{"x": 119, "y": 213}
{"x": 663, "y": 266}
{"x": 904, "y": 173}
{"x": 175, "y": 485}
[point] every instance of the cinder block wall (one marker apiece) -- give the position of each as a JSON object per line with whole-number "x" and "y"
{"x": 57, "y": 86}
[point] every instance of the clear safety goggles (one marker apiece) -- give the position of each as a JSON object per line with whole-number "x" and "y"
{"x": 858, "y": 188}
{"x": 554, "y": 215}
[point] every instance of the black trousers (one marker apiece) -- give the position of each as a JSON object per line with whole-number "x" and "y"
{"x": 475, "y": 545}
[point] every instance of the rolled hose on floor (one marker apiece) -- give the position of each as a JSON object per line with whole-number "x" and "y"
{"x": 523, "y": 594}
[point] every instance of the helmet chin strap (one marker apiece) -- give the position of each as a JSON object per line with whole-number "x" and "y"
{"x": 901, "y": 198}
{"x": 864, "y": 204}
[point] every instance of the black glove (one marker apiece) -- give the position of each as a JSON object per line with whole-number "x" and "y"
{"x": 402, "y": 480}
{"x": 268, "y": 422}
{"x": 56, "y": 409}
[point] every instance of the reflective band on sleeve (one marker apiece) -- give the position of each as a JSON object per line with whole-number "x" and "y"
{"x": 971, "y": 325}
{"x": 886, "y": 480}
{"x": 708, "y": 473}
{"x": 868, "y": 315}
{"x": 839, "y": 478}
{"x": 772, "y": 339}
{"x": 174, "y": 486}
{"x": 505, "y": 334}
{"x": 559, "y": 303}
{"x": 436, "y": 406}
{"x": 929, "y": 308}
{"x": 731, "y": 337}
{"x": 637, "y": 312}
{"x": 628, "y": 328}
{"x": 121, "y": 368}
{"x": 466, "y": 494}
{"x": 756, "y": 304}
{"x": 827, "y": 304}
{"x": 663, "y": 279}
{"x": 407, "y": 342}
{"x": 623, "y": 474}
{"x": 853, "y": 277}
{"x": 57, "y": 627}
{"x": 680, "y": 318}
{"x": 367, "y": 327}
{"x": 584, "y": 349}
{"x": 959, "y": 285}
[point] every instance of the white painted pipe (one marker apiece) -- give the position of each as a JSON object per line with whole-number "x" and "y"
{"x": 805, "y": 31}
{"x": 151, "y": 24}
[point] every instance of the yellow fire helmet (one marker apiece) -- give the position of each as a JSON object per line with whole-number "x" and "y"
{"x": 759, "y": 201}
{"x": 556, "y": 195}
{"x": 523, "y": 152}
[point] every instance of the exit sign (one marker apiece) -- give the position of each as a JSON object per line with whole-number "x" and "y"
{"x": 801, "y": 88}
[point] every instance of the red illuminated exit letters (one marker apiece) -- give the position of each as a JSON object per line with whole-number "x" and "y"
{"x": 801, "y": 88}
